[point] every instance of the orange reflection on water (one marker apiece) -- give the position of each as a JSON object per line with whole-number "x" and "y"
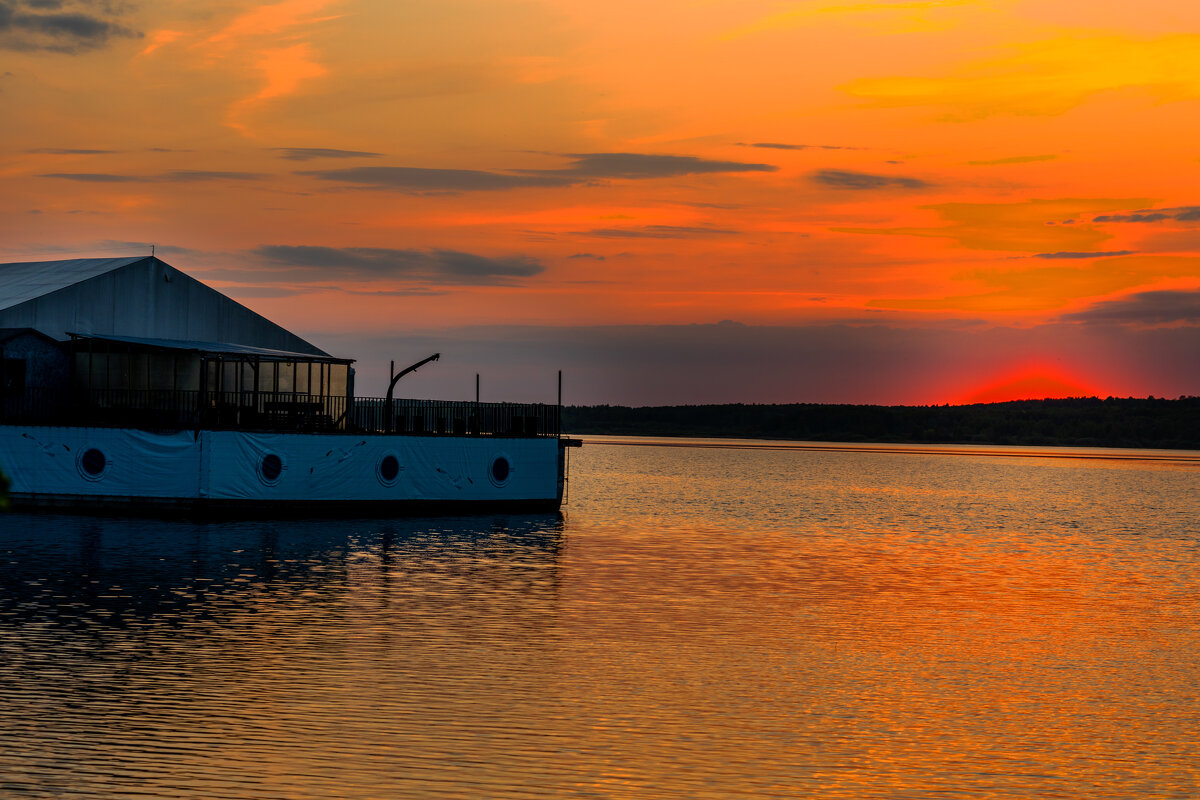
{"x": 706, "y": 622}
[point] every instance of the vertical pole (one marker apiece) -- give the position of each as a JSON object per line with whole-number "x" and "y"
{"x": 558, "y": 414}
{"x": 478, "y": 421}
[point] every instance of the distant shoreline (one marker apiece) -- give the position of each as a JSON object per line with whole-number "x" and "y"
{"x": 1150, "y": 423}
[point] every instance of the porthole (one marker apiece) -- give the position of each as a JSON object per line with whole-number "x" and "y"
{"x": 388, "y": 469}
{"x": 270, "y": 468}
{"x": 92, "y": 464}
{"x": 500, "y": 471}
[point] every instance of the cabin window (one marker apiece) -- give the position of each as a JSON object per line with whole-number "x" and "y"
{"x": 388, "y": 470}
{"x": 271, "y": 468}
{"x": 501, "y": 469}
{"x": 92, "y": 463}
{"x": 12, "y": 376}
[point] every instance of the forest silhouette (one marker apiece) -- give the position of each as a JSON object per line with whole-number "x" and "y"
{"x": 1080, "y": 422}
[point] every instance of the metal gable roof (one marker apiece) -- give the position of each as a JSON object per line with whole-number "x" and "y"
{"x": 24, "y": 280}
{"x": 216, "y": 348}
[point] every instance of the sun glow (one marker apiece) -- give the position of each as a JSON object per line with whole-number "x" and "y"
{"x": 1030, "y": 382}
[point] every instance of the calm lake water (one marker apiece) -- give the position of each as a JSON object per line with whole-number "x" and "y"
{"x": 702, "y": 622}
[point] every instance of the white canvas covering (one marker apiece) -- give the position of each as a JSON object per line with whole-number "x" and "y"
{"x": 228, "y": 465}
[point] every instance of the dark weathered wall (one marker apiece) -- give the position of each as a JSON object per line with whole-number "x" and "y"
{"x": 46, "y": 365}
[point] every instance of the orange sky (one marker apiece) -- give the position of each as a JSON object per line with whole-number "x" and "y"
{"x": 969, "y": 191}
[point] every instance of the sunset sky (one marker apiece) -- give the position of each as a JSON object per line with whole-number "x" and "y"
{"x": 924, "y": 201}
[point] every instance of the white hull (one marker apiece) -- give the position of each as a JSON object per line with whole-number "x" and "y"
{"x": 277, "y": 473}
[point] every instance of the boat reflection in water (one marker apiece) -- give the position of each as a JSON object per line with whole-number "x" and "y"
{"x": 258, "y": 659}
{"x": 126, "y": 568}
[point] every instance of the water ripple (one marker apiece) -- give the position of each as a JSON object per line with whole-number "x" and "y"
{"x": 721, "y": 623}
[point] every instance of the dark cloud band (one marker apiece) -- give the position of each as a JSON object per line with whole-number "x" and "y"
{"x": 1181, "y": 214}
{"x": 372, "y": 263}
{"x": 311, "y": 153}
{"x": 864, "y": 181}
{"x": 175, "y": 176}
{"x": 658, "y": 232}
{"x": 1145, "y": 308}
{"x": 583, "y": 168}
{"x": 1066, "y": 254}
{"x": 61, "y": 26}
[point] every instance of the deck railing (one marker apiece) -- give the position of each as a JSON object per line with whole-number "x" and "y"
{"x": 152, "y": 409}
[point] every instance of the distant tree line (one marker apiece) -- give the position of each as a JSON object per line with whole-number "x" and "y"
{"x": 1076, "y": 421}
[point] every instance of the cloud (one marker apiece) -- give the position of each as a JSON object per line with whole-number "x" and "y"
{"x": 268, "y": 20}
{"x": 260, "y": 291}
{"x": 584, "y": 167}
{"x": 1012, "y": 160}
{"x": 194, "y": 175}
{"x": 63, "y": 151}
{"x": 1181, "y": 214}
{"x": 1048, "y": 77}
{"x": 175, "y": 176}
{"x": 863, "y": 181}
{"x": 781, "y": 146}
{"x": 657, "y": 232}
{"x": 645, "y": 165}
{"x": 1017, "y": 227}
{"x": 1050, "y": 287}
{"x": 59, "y": 26}
{"x": 310, "y": 153}
{"x": 93, "y": 177}
{"x": 420, "y": 179}
{"x": 1145, "y": 308}
{"x": 284, "y": 69}
{"x": 1070, "y": 254}
{"x": 371, "y": 263}
{"x": 113, "y": 245}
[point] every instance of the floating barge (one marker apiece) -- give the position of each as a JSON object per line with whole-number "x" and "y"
{"x": 130, "y": 387}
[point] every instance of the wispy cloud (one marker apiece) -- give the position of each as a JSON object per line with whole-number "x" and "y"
{"x": 267, "y": 39}
{"x": 1069, "y": 254}
{"x": 658, "y": 232}
{"x": 311, "y": 153}
{"x": 269, "y": 20}
{"x": 175, "y": 176}
{"x": 94, "y": 177}
{"x": 373, "y": 263}
{"x": 283, "y": 70}
{"x": 66, "y": 151}
{"x": 995, "y": 162}
{"x": 782, "y": 146}
{"x": 584, "y": 167}
{"x": 1181, "y": 214}
{"x": 1048, "y": 77}
{"x": 863, "y": 181}
{"x": 1020, "y": 227}
{"x": 647, "y": 165}
{"x": 433, "y": 180}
